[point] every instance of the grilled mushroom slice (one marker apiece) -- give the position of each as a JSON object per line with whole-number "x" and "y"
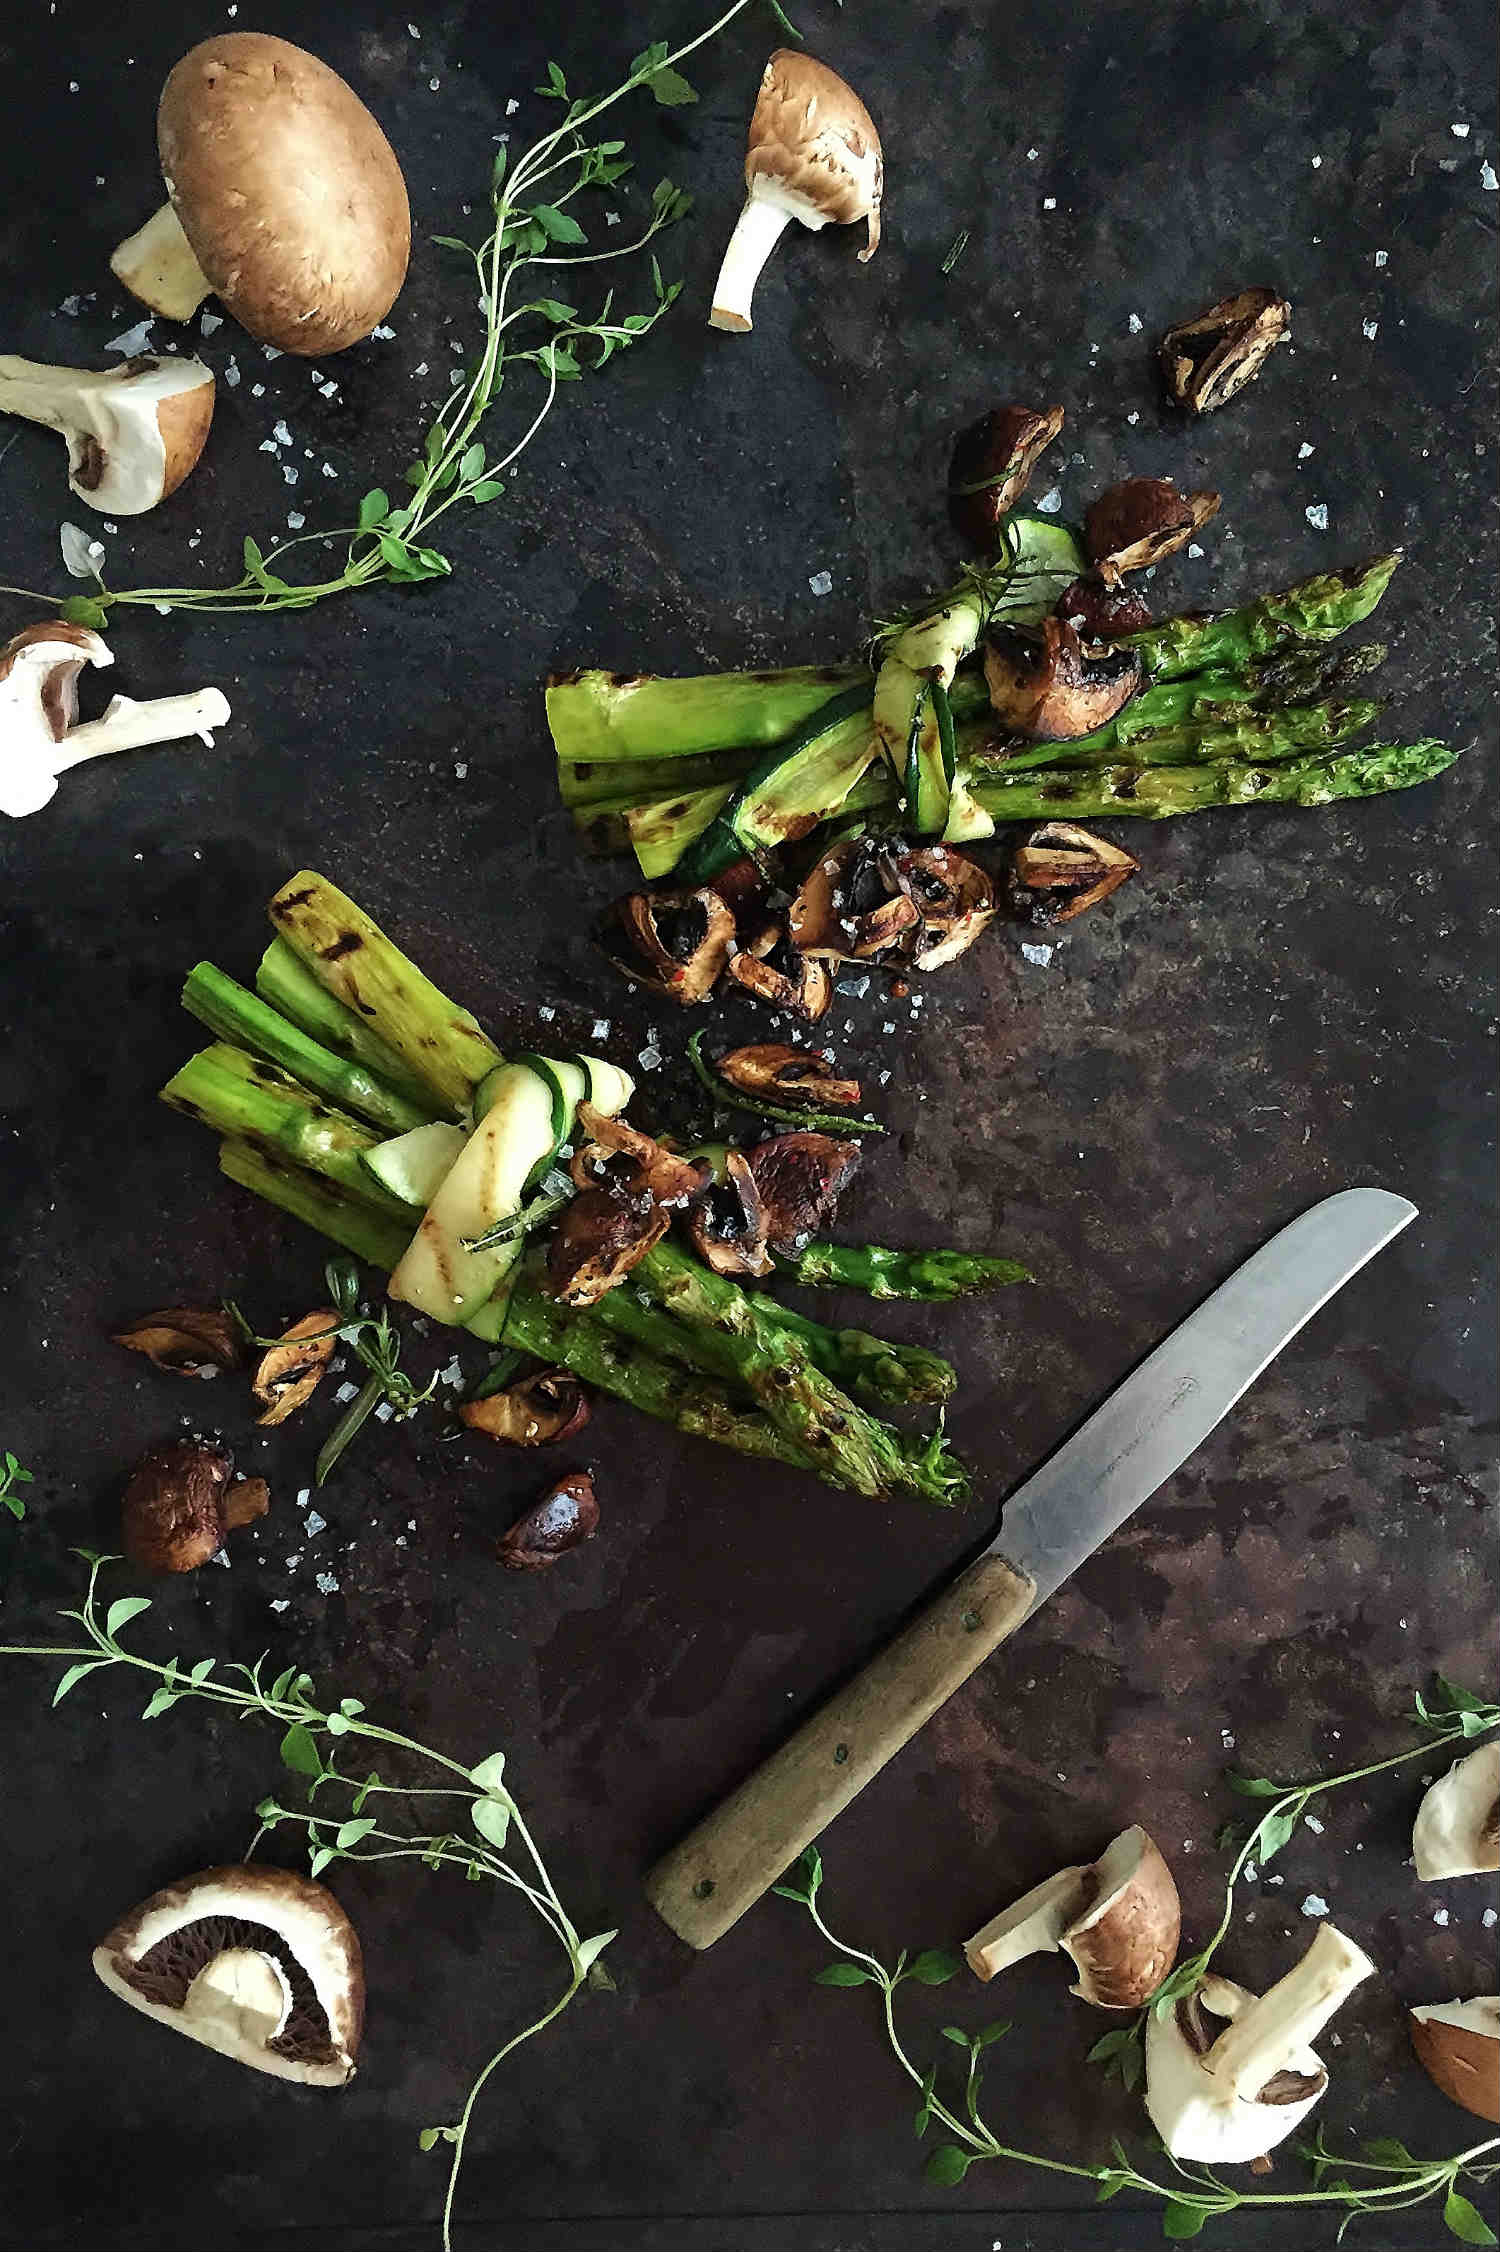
{"x": 1097, "y": 612}
{"x": 800, "y": 1177}
{"x": 795, "y": 1074}
{"x": 665, "y": 1177}
{"x": 1141, "y": 522}
{"x": 729, "y": 1223}
{"x": 550, "y": 1405}
{"x": 1060, "y": 869}
{"x": 182, "y": 1501}
{"x": 775, "y": 969}
{"x": 289, "y": 1374}
{"x": 602, "y": 1235}
{"x": 674, "y": 942}
{"x": 992, "y": 464}
{"x": 954, "y": 899}
{"x": 188, "y": 1340}
{"x": 562, "y": 1519}
{"x": 851, "y": 908}
{"x": 260, "y": 1964}
{"x": 1050, "y": 686}
{"x": 1208, "y": 359}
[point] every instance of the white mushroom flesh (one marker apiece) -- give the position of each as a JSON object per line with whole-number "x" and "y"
{"x": 38, "y": 698}
{"x": 1265, "y": 2038}
{"x": 1032, "y": 1925}
{"x": 1456, "y": 1832}
{"x": 157, "y": 265}
{"x": 240, "y": 1996}
{"x": 133, "y": 432}
{"x": 1119, "y": 1919}
{"x": 129, "y": 726}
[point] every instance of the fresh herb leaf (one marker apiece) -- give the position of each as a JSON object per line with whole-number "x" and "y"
{"x": 1465, "y": 2221}
{"x": 843, "y": 1974}
{"x": 948, "y": 2165}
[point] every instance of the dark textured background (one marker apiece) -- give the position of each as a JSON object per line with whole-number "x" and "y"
{"x": 1278, "y": 1006}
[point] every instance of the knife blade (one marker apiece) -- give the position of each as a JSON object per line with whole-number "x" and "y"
{"x": 1083, "y": 1493}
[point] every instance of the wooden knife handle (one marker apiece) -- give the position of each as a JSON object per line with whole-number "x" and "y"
{"x": 705, "y": 1884}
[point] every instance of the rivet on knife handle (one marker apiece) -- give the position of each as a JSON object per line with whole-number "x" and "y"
{"x": 705, "y": 1884}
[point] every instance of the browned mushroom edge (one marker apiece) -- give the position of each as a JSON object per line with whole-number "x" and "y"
{"x": 793, "y": 1074}
{"x": 1097, "y": 612}
{"x": 1140, "y": 522}
{"x": 775, "y": 970}
{"x": 992, "y": 464}
{"x": 1048, "y": 685}
{"x": 728, "y": 1222}
{"x": 562, "y": 1519}
{"x": 186, "y": 1340}
{"x": 536, "y": 1411}
{"x": 1206, "y": 360}
{"x": 287, "y": 1375}
{"x": 674, "y": 943}
{"x": 1060, "y": 870}
{"x": 179, "y": 1505}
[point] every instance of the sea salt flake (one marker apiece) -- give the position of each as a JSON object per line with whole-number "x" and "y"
{"x": 1489, "y": 1919}
{"x": 280, "y": 1603}
{"x": 383, "y": 1412}
{"x": 1133, "y": 417}
{"x": 1371, "y": 329}
{"x": 289, "y": 474}
{"x": 1049, "y": 203}
{"x": 314, "y": 1524}
{"x": 385, "y": 334}
{"x": 208, "y": 322}
{"x": 1317, "y": 515}
{"x": 1050, "y": 502}
{"x": 1134, "y": 324}
{"x": 512, "y": 106}
{"x": 1459, "y": 132}
{"x": 601, "y": 1029}
{"x": 1317, "y": 164}
{"x": 293, "y": 1561}
{"x": 460, "y": 769}
{"x": 1489, "y": 178}
{"x": 1041, "y": 955}
{"x": 1440, "y": 1916}
{"x": 433, "y": 84}
{"x": 1314, "y": 1905}
{"x": 274, "y": 351}
{"x": 1313, "y": 1824}
{"x": 130, "y": 341}
{"x": 329, "y": 470}
{"x": 295, "y": 520}
{"x": 345, "y": 1393}
{"x": 1305, "y": 452}
{"x": 326, "y": 1583}
{"x": 1382, "y": 257}
{"x": 1195, "y": 552}
{"x": 821, "y": 582}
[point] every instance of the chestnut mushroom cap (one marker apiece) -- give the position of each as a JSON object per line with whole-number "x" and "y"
{"x": 992, "y": 465}
{"x": 728, "y": 1223}
{"x": 850, "y": 907}
{"x": 187, "y": 1340}
{"x": 794, "y": 1074}
{"x": 1098, "y": 612}
{"x": 1119, "y": 1919}
{"x": 1050, "y": 686}
{"x": 562, "y": 1519}
{"x": 774, "y": 969}
{"x": 660, "y": 1172}
{"x": 258, "y": 1963}
{"x": 678, "y": 941}
{"x": 1141, "y": 522}
{"x": 541, "y": 1408}
{"x": 954, "y": 899}
{"x": 601, "y": 1236}
{"x": 800, "y": 1177}
{"x": 1458, "y": 2046}
{"x": 1060, "y": 870}
{"x": 1206, "y": 360}
{"x": 179, "y": 1505}
{"x": 288, "y": 1374}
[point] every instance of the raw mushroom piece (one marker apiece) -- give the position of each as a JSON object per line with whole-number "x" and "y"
{"x": 133, "y": 432}
{"x": 39, "y": 703}
{"x": 1118, "y": 1918}
{"x": 285, "y": 199}
{"x": 1458, "y": 2045}
{"x": 1457, "y": 1830}
{"x": 813, "y": 155}
{"x": 260, "y": 1964}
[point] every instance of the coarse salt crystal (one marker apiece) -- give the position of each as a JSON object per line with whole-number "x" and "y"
{"x": 512, "y": 106}
{"x": 601, "y": 1029}
{"x": 1050, "y": 502}
{"x": 1305, "y": 452}
{"x": 1313, "y": 1824}
{"x": 280, "y": 1603}
{"x": 1382, "y": 257}
{"x": 274, "y": 351}
{"x": 1134, "y": 324}
{"x": 1489, "y": 178}
{"x": 345, "y": 1393}
{"x": 385, "y": 334}
{"x": 130, "y": 341}
{"x": 304, "y": 1496}
{"x": 329, "y": 470}
{"x": 383, "y": 1412}
{"x": 220, "y": 1556}
{"x": 1314, "y": 1905}
{"x": 821, "y": 582}
{"x": 1317, "y": 515}
{"x": 1032, "y": 155}
{"x": 1317, "y": 164}
{"x": 1459, "y": 132}
{"x": 326, "y": 1584}
{"x": 649, "y": 1059}
{"x": 314, "y": 1524}
{"x": 1440, "y": 1916}
{"x": 293, "y": 1561}
{"x": 208, "y": 322}
{"x": 1195, "y": 552}
{"x": 1041, "y": 955}
{"x": 295, "y": 520}
{"x": 289, "y": 474}
{"x": 1489, "y": 1919}
{"x": 1049, "y": 203}
{"x": 1371, "y": 329}
{"x": 1133, "y": 417}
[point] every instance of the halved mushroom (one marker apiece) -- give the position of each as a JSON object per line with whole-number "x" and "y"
{"x": 728, "y": 1224}
{"x": 285, "y": 199}
{"x": 992, "y": 464}
{"x": 39, "y": 740}
{"x": 1229, "y": 2074}
{"x": 774, "y": 969}
{"x": 1050, "y": 686}
{"x": 188, "y": 1340}
{"x": 954, "y": 899}
{"x": 1141, "y": 522}
{"x": 287, "y": 1376}
{"x": 813, "y": 155}
{"x": 1458, "y": 2044}
{"x": 1457, "y": 1830}
{"x": 133, "y": 432}
{"x": 259, "y": 1963}
{"x": 677, "y": 941}
{"x": 1207, "y": 359}
{"x": 549, "y": 1405}
{"x": 664, "y": 1176}
{"x": 562, "y": 1519}
{"x": 182, "y": 1501}
{"x": 1097, "y": 612}
{"x": 600, "y": 1237}
{"x": 800, "y": 1177}
{"x": 850, "y": 907}
{"x": 791, "y": 1074}
{"x": 1119, "y": 1918}
{"x": 1060, "y": 869}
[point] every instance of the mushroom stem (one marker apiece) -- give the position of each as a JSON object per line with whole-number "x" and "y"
{"x": 129, "y": 726}
{"x": 157, "y": 265}
{"x": 757, "y": 231}
{"x": 1271, "y": 2031}
{"x": 133, "y": 432}
{"x": 1032, "y": 1925}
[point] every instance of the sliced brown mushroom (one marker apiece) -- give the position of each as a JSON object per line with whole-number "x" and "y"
{"x": 664, "y": 1176}
{"x": 800, "y": 1177}
{"x": 1457, "y": 1829}
{"x": 850, "y": 907}
{"x": 133, "y": 432}
{"x": 1208, "y": 359}
{"x": 182, "y": 1501}
{"x": 288, "y": 1375}
{"x": 1118, "y": 1918}
{"x": 729, "y": 1225}
{"x": 1458, "y": 2045}
{"x": 1141, "y": 522}
{"x": 1050, "y": 686}
{"x": 954, "y": 899}
{"x": 549, "y": 1405}
{"x": 675, "y": 942}
{"x": 1060, "y": 870}
{"x": 562, "y": 1519}
{"x": 992, "y": 464}
{"x": 188, "y": 1340}
{"x": 792, "y": 1074}
{"x": 601, "y": 1236}
{"x": 1097, "y": 612}
{"x": 776, "y": 970}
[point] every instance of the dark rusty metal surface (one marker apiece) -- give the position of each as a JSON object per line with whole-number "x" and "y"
{"x": 1277, "y": 1006}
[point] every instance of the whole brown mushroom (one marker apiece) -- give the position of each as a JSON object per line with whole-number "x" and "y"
{"x": 181, "y": 1503}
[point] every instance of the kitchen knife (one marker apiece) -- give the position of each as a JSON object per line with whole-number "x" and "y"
{"x": 1145, "y": 1430}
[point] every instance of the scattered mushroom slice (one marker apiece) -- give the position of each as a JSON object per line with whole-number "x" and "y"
{"x": 678, "y": 941}
{"x": 954, "y": 899}
{"x": 792, "y": 1074}
{"x": 992, "y": 464}
{"x": 1229, "y": 2074}
{"x": 600, "y": 1237}
{"x": 728, "y": 1224}
{"x": 1141, "y": 522}
{"x": 1458, "y": 2044}
{"x": 1050, "y": 686}
{"x": 39, "y": 671}
{"x": 800, "y": 1177}
{"x": 285, "y": 199}
{"x": 181, "y": 1503}
{"x": 775, "y": 970}
{"x": 1457, "y": 1830}
{"x": 188, "y": 1340}
{"x": 287, "y": 1376}
{"x": 813, "y": 155}
{"x": 850, "y": 907}
{"x": 563, "y": 1519}
{"x": 259, "y": 1963}
{"x": 550, "y": 1405}
{"x": 1207, "y": 359}
{"x": 660, "y": 1172}
{"x": 133, "y": 432}
{"x": 1119, "y": 1919}
{"x": 1060, "y": 869}
{"x": 1097, "y": 612}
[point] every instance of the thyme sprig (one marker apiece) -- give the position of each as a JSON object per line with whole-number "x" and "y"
{"x": 487, "y": 1840}
{"x": 11, "y": 1476}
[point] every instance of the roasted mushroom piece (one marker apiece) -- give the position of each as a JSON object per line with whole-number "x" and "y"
{"x": 992, "y": 464}
{"x": 1098, "y": 612}
{"x": 1050, "y": 686}
{"x": 1060, "y": 869}
{"x": 1141, "y": 522}
{"x": 549, "y": 1405}
{"x": 729, "y": 1225}
{"x": 562, "y": 1519}
{"x": 187, "y": 1340}
{"x": 954, "y": 899}
{"x": 800, "y": 1177}
{"x": 850, "y": 907}
{"x": 1208, "y": 359}
{"x": 602, "y": 1235}
{"x": 775, "y": 969}
{"x": 675, "y": 942}
{"x": 182, "y": 1501}
{"x": 617, "y": 1153}
{"x": 288, "y": 1375}
{"x": 793, "y": 1074}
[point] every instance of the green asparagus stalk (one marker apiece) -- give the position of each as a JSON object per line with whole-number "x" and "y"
{"x": 318, "y": 1202}
{"x": 631, "y": 781}
{"x": 1249, "y": 734}
{"x": 248, "y": 1100}
{"x": 1317, "y": 609}
{"x": 868, "y": 1367}
{"x": 605, "y": 715}
{"x": 295, "y": 993}
{"x": 248, "y": 1022}
{"x": 352, "y": 959}
{"x": 932, "y": 1276}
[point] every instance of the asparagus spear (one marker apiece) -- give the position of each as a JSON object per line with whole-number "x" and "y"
{"x": 630, "y": 781}
{"x": 929, "y": 1275}
{"x": 321, "y": 1203}
{"x": 871, "y": 1368}
{"x": 249, "y": 1022}
{"x": 292, "y": 990}
{"x": 242, "y": 1097}
{"x": 1317, "y": 609}
{"x": 352, "y": 958}
{"x": 1241, "y": 734}
{"x": 606, "y": 715}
